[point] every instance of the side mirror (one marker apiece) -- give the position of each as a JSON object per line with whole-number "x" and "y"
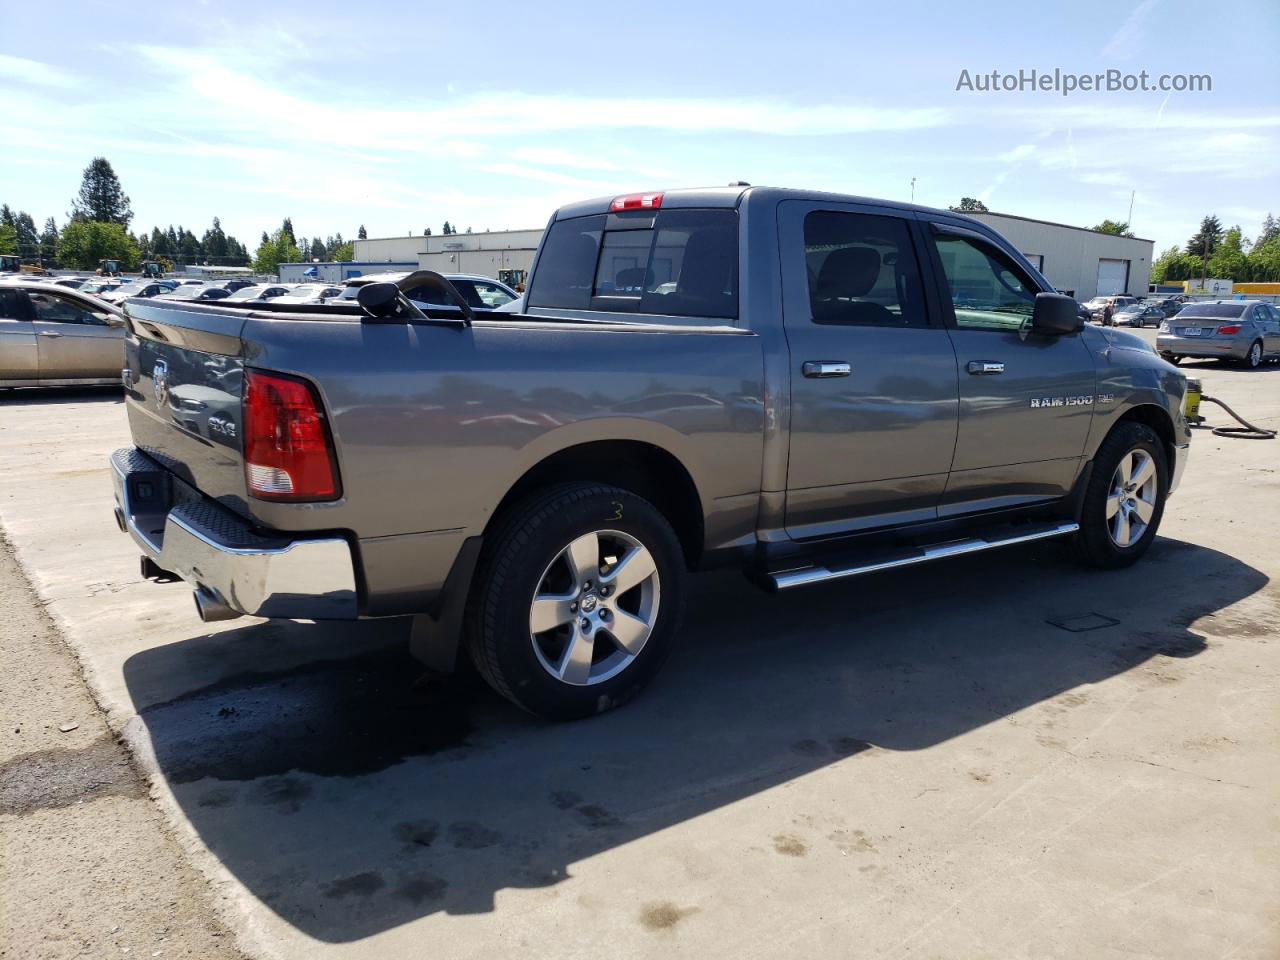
{"x": 1055, "y": 314}
{"x": 379, "y": 299}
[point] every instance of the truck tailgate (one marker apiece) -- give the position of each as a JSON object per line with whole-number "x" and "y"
{"x": 184, "y": 375}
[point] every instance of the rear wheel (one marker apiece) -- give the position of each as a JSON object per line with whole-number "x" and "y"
{"x": 1253, "y": 359}
{"x": 1124, "y": 501}
{"x": 578, "y": 599}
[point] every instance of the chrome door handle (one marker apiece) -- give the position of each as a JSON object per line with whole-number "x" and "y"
{"x": 985, "y": 368}
{"x": 823, "y": 369}
{"x": 49, "y": 333}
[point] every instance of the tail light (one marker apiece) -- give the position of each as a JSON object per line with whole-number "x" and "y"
{"x": 288, "y": 451}
{"x": 1164, "y": 326}
{"x": 1229, "y": 329}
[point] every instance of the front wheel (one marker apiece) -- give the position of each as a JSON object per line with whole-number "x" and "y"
{"x": 579, "y": 595}
{"x": 1124, "y": 500}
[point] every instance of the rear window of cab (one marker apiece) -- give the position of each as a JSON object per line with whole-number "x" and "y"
{"x": 678, "y": 263}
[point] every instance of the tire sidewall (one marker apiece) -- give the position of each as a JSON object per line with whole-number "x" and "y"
{"x": 531, "y": 551}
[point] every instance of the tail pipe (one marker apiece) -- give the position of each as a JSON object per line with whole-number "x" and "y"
{"x": 211, "y": 608}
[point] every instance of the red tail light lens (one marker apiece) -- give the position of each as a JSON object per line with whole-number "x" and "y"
{"x": 637, "y": 201}
{"x": 288, "y": 452}
{"x": 1229, "y": 329}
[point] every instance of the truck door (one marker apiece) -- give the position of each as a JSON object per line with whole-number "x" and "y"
{"x": 74, "y": 342}
{"x": 18, "y": 363}
{"x": 873, "y": 373}
{"x": 1026, "y": 400}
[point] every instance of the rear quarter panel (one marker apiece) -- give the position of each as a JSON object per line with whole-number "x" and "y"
{"x": 434, "y": 424}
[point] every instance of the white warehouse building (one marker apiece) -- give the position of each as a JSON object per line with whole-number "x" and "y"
{"x": 504, "y": 255}
{"x": 1080, "y": 262}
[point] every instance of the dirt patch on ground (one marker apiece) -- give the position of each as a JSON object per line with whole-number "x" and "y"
{"x": 88, "y": 867}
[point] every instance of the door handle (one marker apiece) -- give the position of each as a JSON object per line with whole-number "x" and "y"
{"x": 985, "y": 368}
{"x": 824, "y": 369}
{"x": 49, "y": 333}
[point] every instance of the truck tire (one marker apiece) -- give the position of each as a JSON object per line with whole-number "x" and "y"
{"x": 1124, "y": 500}
{"x": 578, "y": 597}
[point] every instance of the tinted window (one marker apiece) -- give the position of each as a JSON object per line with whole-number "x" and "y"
{"x": 14, "y": 305}
{"x": 987, "y": 290}
{"x": 54, "y": 309}
{"x": 680, "y": 263}
{"x": 862, "y": 270}
{"x": 1212, "y": 310}
{"x": 567, "y": 264}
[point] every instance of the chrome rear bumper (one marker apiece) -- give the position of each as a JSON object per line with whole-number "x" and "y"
{"x": 1180, "y": 451}
{"x": 227, "y": 562}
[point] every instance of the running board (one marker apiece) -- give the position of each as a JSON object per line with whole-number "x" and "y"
{"x": 909, "y": 556}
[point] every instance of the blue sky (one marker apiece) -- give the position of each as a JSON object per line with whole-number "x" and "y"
{"x": 400, "y": 116}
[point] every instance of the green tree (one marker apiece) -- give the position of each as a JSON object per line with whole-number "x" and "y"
{"x": 1114, "y": 227}
{"x": 361, "y": 234}
{"x": 49, "y": 242}
{"x": 343, "y": 252}
{"x": 101, "y": 197}
{"x": 426, "y": 232}
{"x": 84, "y": 242}
{"x": 215, "y": 243}
{"x": 1228, "y": 260}
{"x": 287, "y": 229}
{"x": 8, "y": 238}
{"x": 1270, "y": 231}
{"x": 970, "y": 205}
{"x": 1206, "y": 238}
{"x": 447, "y": 229}
{"x": 28, "y": 237}
{"x": 277, "y": 249}
{"x": 1264, "y": 261}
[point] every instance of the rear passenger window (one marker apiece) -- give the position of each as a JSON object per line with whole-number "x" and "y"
{"x": 862, "y": 270}
{"x": 681, "y": 263}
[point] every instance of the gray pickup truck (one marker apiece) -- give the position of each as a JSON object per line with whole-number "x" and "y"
{"x": 808, "y": 385}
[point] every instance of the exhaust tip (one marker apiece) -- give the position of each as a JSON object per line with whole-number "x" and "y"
{"x": 124, "y": 527}
{"x": 210, "y": 608}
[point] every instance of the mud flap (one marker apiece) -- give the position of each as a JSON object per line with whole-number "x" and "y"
{"x": 435, "y": 635}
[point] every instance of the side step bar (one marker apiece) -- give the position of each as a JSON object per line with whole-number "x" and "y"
{"x": 909, "y": 556}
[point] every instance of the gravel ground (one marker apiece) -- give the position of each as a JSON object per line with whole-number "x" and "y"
{"x": 87, "y": 865}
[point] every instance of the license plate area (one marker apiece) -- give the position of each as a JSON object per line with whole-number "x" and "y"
{"x": 1191, "y": 331}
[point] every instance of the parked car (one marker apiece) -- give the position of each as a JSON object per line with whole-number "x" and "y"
{"x": 139, "y": 288}
{"x": 1102, "y": 309}
{"x": 51, "y": 335}
{"x": 196, "y": 291}
{"x": 311, "y": 293}
{"x": 258, "y": 291}
{"x": 481, "y": 293}
{"x": 1243, "y": 331}
{"x": 75, "y": 283}
{"x": 1169, "y": 306}
{"x": 1138, "y": 315}
{"x": 238, "y": 282}
{"x": 533, "y": 487}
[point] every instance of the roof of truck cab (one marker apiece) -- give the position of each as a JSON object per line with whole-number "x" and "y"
{"x": 732, "y": 196}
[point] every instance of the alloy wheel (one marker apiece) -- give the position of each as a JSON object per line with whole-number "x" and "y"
{"x": 594, "y": 607}
{"x": 1131, "y": 501}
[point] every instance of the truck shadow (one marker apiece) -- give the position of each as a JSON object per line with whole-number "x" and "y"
{"x": 350, "y": 796}
{"x": 47, "y": 396}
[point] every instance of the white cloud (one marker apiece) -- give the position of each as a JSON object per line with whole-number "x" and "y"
{"x": 22, "y": 70}
{"x": 1124, "y": 40}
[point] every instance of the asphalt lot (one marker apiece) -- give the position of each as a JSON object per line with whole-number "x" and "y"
{"x": 912, "y": 764}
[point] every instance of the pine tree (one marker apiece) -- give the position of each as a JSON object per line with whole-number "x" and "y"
{"x": 49, "y": 241}
{"x": 1270, "y": 230}
{"x": 1206, "y": 238}
{"x": 101, "y": 198}
{"x": 26, "y": 235}
{"x": 361, "y": 234}
{"x": 286, "y": 230}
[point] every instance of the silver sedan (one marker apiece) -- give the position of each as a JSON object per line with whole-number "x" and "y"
{"x": 51, "y": 335}
{"x": 1243, "y": 331}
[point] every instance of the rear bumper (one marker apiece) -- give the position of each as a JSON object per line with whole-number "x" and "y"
{"x": 222, "y": 557}
{"x": 1197, "y": 347}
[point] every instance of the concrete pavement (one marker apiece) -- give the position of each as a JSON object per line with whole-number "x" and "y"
{"x": 916, "y": 764}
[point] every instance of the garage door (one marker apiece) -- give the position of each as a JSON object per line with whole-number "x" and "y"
{"x": 1113, "y": 277}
